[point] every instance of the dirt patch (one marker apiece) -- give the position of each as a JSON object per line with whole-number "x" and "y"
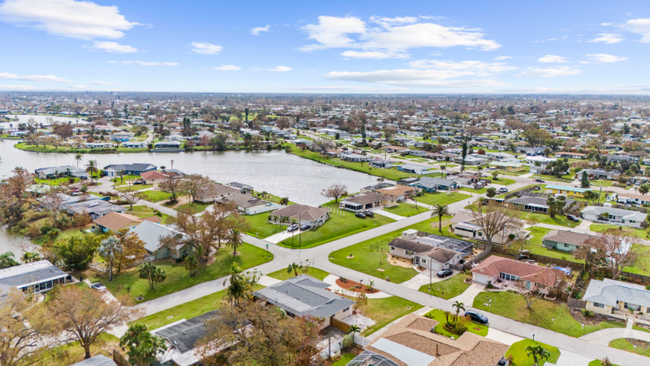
{"x": 397, "y": 261}
{"x": 594, "y": 320}
{"x": 638, "y": 343}
{"x": 354, "y": 286}
{"x": 350, "y": 256}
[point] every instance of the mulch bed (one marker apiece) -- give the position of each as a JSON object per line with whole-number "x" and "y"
{"x": 354, "y": 286}
{"x": 595, "y": 320}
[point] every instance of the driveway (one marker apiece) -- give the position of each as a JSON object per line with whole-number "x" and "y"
{"x": 423, "y": 278}
{"x": 389, "y": 215}
{"x": 604, "y": 336}
{"x": 467, "y": 297}
{"x": 570, "y": 359}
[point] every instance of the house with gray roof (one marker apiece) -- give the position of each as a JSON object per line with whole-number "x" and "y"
{"x": 609, "y": 296}
{"x": 152, "y": 233}
{"x": 129, "y": 169}
{"x": 61, "y": 171}
{"x": 94, "y": 208}
{"x": 40, "y": 276}
{"x": 534, "y": 204}
{"x": 248, "y": 204}
{"x": 614, "y": 216}
{"x": 98, "y": 360}
{"x": 429, "y": 184}
{"x": 301, "y": 214}
{"x": 306, "y": 296}
{"x": 433, "y": 252}
{"x": 565, "y": 240}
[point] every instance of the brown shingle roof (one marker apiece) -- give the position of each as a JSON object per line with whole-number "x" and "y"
{"x": 494, "y": 265}
{"x": 115, "y": 221}
{"x": 364, "y": 199}
{"x": 568, "y": 237}
{"x": 442, "y": 255}
{"x": 410, "y": 245}
{"x": 302, "y": 212}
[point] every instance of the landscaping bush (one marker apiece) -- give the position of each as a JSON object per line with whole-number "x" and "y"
{"x": 587, "y": 313}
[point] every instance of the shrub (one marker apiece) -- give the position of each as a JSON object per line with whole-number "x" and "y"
{"x": 587, "y": 313}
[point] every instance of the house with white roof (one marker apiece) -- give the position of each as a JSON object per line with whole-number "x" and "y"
{"x": 615, "y": 216}
{"x": 607, "y": 296}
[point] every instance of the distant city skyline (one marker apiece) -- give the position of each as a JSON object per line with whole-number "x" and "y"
{"x": 385, "y": 47}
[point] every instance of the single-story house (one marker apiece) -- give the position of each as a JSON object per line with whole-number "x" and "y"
{"x": 98, "y": 360}
{"x": 381, "y": 163}
{"x": 134, "y": 144}
{"x": 429, "y": 184}
{"x": 167, "y": 145}
{"x": 570, "y": 155}
{"x": 99, "y": 145}
{"x": 508, "y": 166}
{"x": 434, "y": 252}
{"x": 534, "y": 204}
{"x": 616, "y": 216}
{"x": 182, "y": 340}
{"x": 303, "y": 214}
{"x": 397, "y": 149}
{"x": 154, "y": 175}
{"x": 151, "y": 233}
{"x": 248, "y": 204}
{"x": 598, "y": 174}
{"x": 355, "y": 158}
{"x": 94, "y": 208}
{"x": 464, "y": 224}
{"x": 603, "y": 297}
{"x": 398, "y": 193}
{"x": 496, "y": 268}
{"x": 40, "y": 276}
{"x": 412, "y": 342}
{"x": 210, "y": 193}
{"x": 632, "y": 199}
{"x": 122, "y": 136}
{"x": 61, "y": 171}
{"x": 566, "y": 190}
{"x": 305, "y": 296}
{"x": 366, "y": 201}
{"x": 415, "y": 169}
{"x": 129, "y": 169}
{"x": 375, "y": 187}
{"x": 565, "y": 240}
{"x": 116, "y": 221}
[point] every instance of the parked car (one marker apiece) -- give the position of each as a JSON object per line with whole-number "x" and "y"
{"x": 539, "y": 181}
{"x": 537, "y": 188}
{"x": 573, "y": 218}
{"x": 445, "y": 273}
{"x": 503, "y": 190}
{"x": 369, "y": 213}
{"x": 137, "y": 182}
{"x": 106, "y": 198}
{"x": 293, "y": 228}
{"x": 305, "y": 227}
{"x": 360, "y": 215}
{"x": 98, "y": 286}
{"x": 476, "y": 316}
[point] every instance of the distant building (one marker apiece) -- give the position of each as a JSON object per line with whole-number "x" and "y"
{"x": 112, "y": 170}
{"x": 40, "y": 276}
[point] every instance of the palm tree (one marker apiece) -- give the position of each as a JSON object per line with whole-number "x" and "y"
{"x": 284, "y": 201}
{"x": 235, "y": 240}
{"x": 91, "y": 168}
{"x": 444, "y": 171}
{"x": 29, "y": 257}
{"x": 458, "y": 306}
{"x": 354, "y": 328}
{"x": 121, "y": 173}
{"x": 110, "y": 249}
{"x": 294, "y": 267}
{"x": 78, "y": 158}
{"x": 191, "y": 264}
{"x": 538, "y": 353}
{"x": 440, "y": 211}
{"x": 7, "y": 260}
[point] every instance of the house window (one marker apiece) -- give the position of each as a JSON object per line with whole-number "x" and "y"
{"x": 424, "y": 260}
{"x": 346, "y": 309}
{"x": 508, "y": 277}
{"x": 392, "y": 248}
{"x": 599, "y": 305}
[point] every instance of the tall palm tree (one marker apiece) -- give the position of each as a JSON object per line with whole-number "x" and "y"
{"x": 354, "y": 328}
{"x": 294, "y": 267}
{"x": 440, "y": 211}
{"x": 458, "y": 306}
{"x": 7, "y": 260}
{"x": 91, "y": 168}
{"x": 29, "y": 257}
{"x": 444, "y": 171}
{"x": 538, "y": 353}
{"x": 235, "y": 240}
{"x": 78, "y": 158}
{"x": 110, "y": 249}
{"x": 121, "y": 173}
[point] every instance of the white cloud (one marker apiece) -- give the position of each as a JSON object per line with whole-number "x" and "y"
{"x": 605, "y": 24}
{"x": 479, "y": 68}
{"x": 550, "y": 72}
{"x": 114, "y": 47}
{"x": 144, "y": 63}
{"x": 552, "y": 59}
{"x": 412, "y": 77}
{"x": 354, "y": 89}
{"x": 17, "y": 87}
{"x": 501, "y": 58}
{"x": 280, "y": 69}
{"x": 68, "y": 18}
{"x": 77, "y": 87}
{"x": 374, "y": 54}
{"x": 226, "y": 68}
{"x": 258, "y": 30}
{"x": 206, "y": 48}
{"x": 607, "y": 38}
{"x": 10, "y": 76}
{"x": 99, "y": 82}
{"x": 638, "y": 26}
{"x": 605, "y": 58}
{"x": 392, "y": 34}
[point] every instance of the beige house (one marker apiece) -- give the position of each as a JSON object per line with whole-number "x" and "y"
{"x": 464, "y": 224}
{"x": 499, "y": 270}
{"x": 609, "y": 296}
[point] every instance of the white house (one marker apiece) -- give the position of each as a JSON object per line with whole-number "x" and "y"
{"x": 614, "y": 216}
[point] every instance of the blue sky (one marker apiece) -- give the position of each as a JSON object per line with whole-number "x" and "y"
{"x": 333, "y": 46}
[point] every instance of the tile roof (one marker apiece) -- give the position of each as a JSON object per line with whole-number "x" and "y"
{"x": 302, "y": 212}
{"x": 568, "y": 237}
{"x": 366, "y": 198}
{"x": 495, "y": 265}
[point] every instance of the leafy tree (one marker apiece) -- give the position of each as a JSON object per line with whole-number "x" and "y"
{"x": 29, "y": 257}
{"x": 644, "y": 188}
{"x": 235, "y": 240}
{"x": 152, "y": 274}
{"x": 240, "y": 285}
{"x": 133, "y": 250}
{"x": 491, "y": 192}
{"x": 7, "y": 260}
{"x": 191, "y": 264}
{"x": 440, "y": 211}
{"x": 78, "y": 158}
{"x": 538, "y": 353}
{"x": 584, "y": 181}
{"x": 141, "y": 346}
{"x": 75, "y": 252}
{"x": 110, "y": 249}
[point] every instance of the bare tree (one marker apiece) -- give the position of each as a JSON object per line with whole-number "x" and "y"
{"x": 617, "y": 247}
{"x": 494, "y": 220}
{"x": 84, "y": 315}
{"x": 196, "y": 184}
{"x": 53, "y": 203}
{"x": 129, "y": 197}
{"x": 173, "y": 186}
{"x": 335, "y": 191}
{"x": 543, "y": 282}
{"x": 133, "y": 250}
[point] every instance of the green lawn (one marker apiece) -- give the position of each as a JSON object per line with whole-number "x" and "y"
{"x": 598, "y": 363}
{"x": 535, "y": 245}
{"x": 603, "y": 183}
{"x": 472, "y": 327}
{"x": 155, "y": 196}
{"x": 177, "y": 278}
{"x": 639, "y": 233}
{"x": 57, "y": 181}
{"x": 126, "y": 178}
{"x": 260, "y": 227}
{"x": 344, "y": 359}
{"x": 441, "y": 198}
{"x": 520, "y": 355}
{"x": 545, "y": 314}
{"x": 71, "y": 353}
{"x": 406, "y": 209}
{"x": 546, "y": 219}
{"x": 134, "y": 187}
{"x": 313, "y": 272}
{"x": 625, "y": 345}
{"x": 385, "y": 311}
{"x": 371, "y": 255}
{"x": 503, "y": 181}
{"x": 448, "y": 288}
{"x": 338, "y": 226}
{"x": 472, "y": 190}
{"x": 194, "y": 206}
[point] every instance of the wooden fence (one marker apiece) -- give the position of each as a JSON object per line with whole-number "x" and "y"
{"x": 575, "y": 303}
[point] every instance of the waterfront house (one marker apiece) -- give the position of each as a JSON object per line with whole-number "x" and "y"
{"x": 355, "y": 158}
{"x": 504, "y": 270}
{"x": 381, "y": 163}
{"x": 415, "y": 169}
{"x": 247, "y": 203}
{"x": 305, "y": 296}
{"x": 40, "y": 276}
{"x": 94, "y": 208}
{"x": 99, "y": 145}
{"x": 61, "y": 171}
{"x": 566, "y": 190}
{"x": 301, "y": 214}
{"x": 433, "y": 252}
{"x": 134, "y": 144}
{"x": 614, "y": 216}
{"x": 430, "y": 185}
{"x": 608, "y": 297}
{"x": 112, "y": 170}
{"x": 366, "y": 201}
{"x": 167, "y": 145}
{"x": 398, "y": 193}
